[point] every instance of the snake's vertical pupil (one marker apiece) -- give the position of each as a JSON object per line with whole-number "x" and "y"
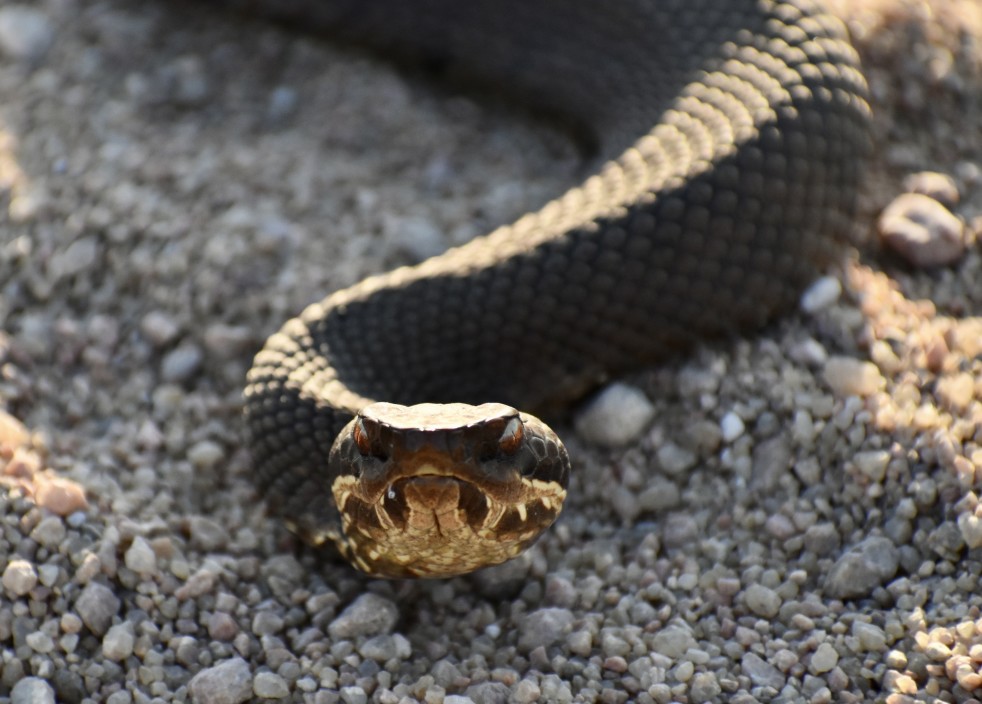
{"x": 362, "y": 441}
{"x": 512, "y": 436}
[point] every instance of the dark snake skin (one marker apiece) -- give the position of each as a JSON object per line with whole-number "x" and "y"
{"x": 730, "y": 134}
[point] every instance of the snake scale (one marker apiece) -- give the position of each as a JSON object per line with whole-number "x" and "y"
{"x": 730, "y": 136}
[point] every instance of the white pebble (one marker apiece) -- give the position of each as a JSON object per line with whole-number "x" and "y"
{"x": 19, "y": 577}
{"x": 821, "y": 294}
{"x": 26, "y": 33}
{"x": 922, "y": 230}
{"x": 970, "y": 526}
{"x": 731, "y": 426}
{"x": 615, "y": 417}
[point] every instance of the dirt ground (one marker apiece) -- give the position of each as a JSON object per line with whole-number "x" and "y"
{"x": 800, "y": 522}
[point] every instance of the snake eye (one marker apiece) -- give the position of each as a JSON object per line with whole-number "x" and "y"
{"x": 512, "y": 436}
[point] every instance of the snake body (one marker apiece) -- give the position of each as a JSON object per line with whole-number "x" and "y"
{"x": 730, "y": 137}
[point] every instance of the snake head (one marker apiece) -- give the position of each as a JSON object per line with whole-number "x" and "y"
{"x": 436, "y": 490}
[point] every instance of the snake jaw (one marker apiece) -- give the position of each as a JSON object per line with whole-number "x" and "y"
{"x": 422, "y": 496}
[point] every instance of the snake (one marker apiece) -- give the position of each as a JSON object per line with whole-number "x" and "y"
{"x": 726, "y": 139}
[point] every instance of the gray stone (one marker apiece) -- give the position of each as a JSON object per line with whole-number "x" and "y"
{"x": 228, "y": 682}
{"x": 869, "y": 636}
{"x": 704, "y": 687}
{"x": 674, "y": 459}
{"x": 269, "y": 685}
{"x": 206, "y": 534}
{"x": 118, "y": 642}
{"x": 26, "y": 33}
{"x": 368, "y": 615}
{"x": 182, "y": 362}
{"x": 762, "y": 601}
{"x": 863, "y": 568}
{"x": 823, "y": 659}
{"x": 50, "y": 532}
{"x": 354, "y": 695}
{"x": 822, "y": 539}
{"x": 385, "y": 647}
{"x": 266, "y": 623}
{"x": 140, "y": 557}
{"x": 96, "y": 606}
{"x": 672, "y": 641}
{"x": 761, "y": 672}
{"x": 32, "y": 690}
{"x": 544, "y": 627}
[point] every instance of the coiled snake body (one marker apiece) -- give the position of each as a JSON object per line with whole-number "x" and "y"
{"x": 730, "y": 134}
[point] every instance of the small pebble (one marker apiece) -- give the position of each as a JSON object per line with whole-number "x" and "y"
{"x": 269, "y": 685}
{"x": 544, "y": 627}
{"x": 118, "y": 642}
{"x": 870, "y": 636}
{"x": 181, "y": 363}
{"x": 761, "y": 672}
{"x": 140, "y": 557}
{"x": 674, "y": 459}
{"x": 19, "y": 577}
{"x": 824, "y": 659}
{"x": 32, "y": 690}
{"x": 731, "y": 426}
{"x": 159, "y": 328}
{"x": 228, "y": 682}
{"x": 26, "y": 33}
{"x": 862, "y": 568}
{"x": 615, "y": 417}
{"x": 970, "y": 527}
{"x": 940, "y": 187}
{"x": 821, "y": 294}
{"x": 762, "y": 601}
{"x": 851, "y": 377}
{"x": 873, "y": 464}
{"x": 97, "y": 605}
{"x": 922, "y": 231}
{"x": 704, "y": 687}
{"x": 672, "y": 641}
{"x": 50, "y": 532}
{"x": 367, "y": 615}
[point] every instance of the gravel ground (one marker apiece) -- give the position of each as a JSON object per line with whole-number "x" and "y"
{"x": 794, "y": 518}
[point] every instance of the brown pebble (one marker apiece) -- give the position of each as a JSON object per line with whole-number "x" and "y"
{"x": 59, "y": 495}
{"x": 13, "y": 433}
{"x": 922, "y": 231}
{"x": 940, "y": 187}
